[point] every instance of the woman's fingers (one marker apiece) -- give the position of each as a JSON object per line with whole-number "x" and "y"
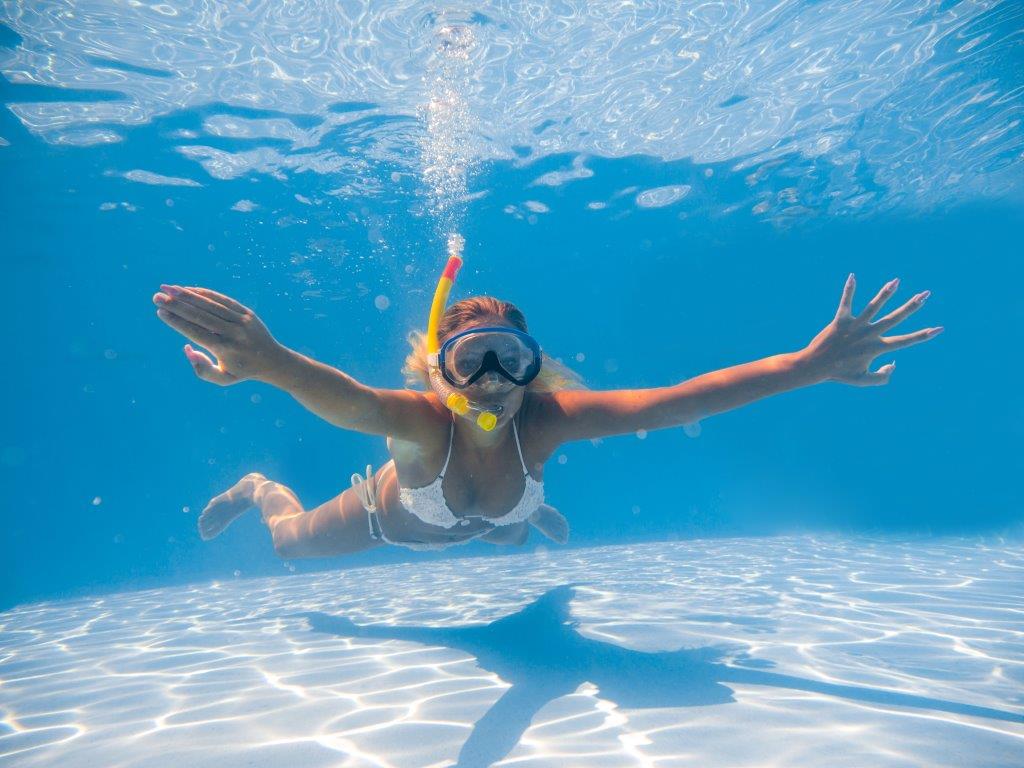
{"x": 186, "y": 310}
{"x": 908, "y": 339}
{"x": 897, "y": 316}
{"x": 881, "y": 297}
{"x": 871, "y": 378}
{"x": 196, "y": 333}
{"x": 205, "y": 368}
{"x": 206, "y": 303}
{"x": 225, "y": 301}
{"x": 879, "y": 377}
{"x": 846, "y": 300}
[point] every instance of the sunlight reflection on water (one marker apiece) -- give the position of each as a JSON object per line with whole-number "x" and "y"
{"x": 883, "y": 101}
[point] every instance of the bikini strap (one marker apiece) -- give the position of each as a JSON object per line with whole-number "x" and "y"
{"x": 519, "y": 448}
{"x": 451, "y": 441}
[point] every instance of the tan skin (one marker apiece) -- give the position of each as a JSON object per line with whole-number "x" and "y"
{"x": 484, "y": 476}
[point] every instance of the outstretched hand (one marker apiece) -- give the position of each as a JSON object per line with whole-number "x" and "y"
{"x": 240, "y": 342}
{"x": 846, "y": 347}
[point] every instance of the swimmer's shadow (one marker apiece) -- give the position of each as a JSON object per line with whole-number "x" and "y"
{"x": 541, "y": 655}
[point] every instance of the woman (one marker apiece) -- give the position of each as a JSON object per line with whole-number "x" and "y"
{"x": 468, "y": 454}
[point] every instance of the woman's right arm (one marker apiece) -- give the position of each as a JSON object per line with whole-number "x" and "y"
{"x": 244, "y": 350}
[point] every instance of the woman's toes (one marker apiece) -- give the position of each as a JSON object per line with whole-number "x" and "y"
{"x": 204, "y": 532}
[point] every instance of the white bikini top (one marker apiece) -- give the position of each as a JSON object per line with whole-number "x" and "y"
{"x": 428, "y": 503}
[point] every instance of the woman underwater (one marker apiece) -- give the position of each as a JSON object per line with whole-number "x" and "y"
{"x": 467, "y": 455}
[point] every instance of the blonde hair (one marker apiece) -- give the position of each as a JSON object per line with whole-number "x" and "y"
{"x": 553, "y": 374}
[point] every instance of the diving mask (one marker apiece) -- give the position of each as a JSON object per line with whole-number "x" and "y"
{"x": 510, "y": 353}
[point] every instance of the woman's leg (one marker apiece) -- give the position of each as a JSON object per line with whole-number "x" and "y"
{"x": 337, "y": 527}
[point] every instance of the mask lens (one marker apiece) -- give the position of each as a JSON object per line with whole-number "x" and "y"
{"x": 469, "y": 353}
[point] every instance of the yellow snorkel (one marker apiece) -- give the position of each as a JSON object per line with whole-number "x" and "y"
{"x": 453, "y": 400}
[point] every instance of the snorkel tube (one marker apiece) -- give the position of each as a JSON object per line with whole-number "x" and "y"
{"x": 455, "y": 401}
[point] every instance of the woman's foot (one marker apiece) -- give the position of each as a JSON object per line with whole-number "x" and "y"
{"x": 551, "y": 523}
{"x": 222, "y": 510}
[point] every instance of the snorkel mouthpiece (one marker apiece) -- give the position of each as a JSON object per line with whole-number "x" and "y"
{"x": 455, "y": 401}
{"x": 486, "y": 421}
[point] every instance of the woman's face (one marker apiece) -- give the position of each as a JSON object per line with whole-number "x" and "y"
{"x": 492, "y": 389}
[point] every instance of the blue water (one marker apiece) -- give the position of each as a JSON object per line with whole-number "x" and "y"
{"x": 827, "y": 577}
{"x": 662, "y": 191}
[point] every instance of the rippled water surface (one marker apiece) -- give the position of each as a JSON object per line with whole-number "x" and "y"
{"x": 814, "y": 107}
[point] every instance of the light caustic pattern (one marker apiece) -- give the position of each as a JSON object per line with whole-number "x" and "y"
{"x": 809, "y": 651}
{"x": 859, "y": 105}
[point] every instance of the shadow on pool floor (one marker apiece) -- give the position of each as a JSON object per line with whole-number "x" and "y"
{"x": 540, "y": 653}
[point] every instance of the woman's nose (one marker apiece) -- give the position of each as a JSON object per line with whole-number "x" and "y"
{"x": 492, "y": 380}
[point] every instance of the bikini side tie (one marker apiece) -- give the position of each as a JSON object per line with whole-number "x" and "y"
{"x": 366, "y": 489}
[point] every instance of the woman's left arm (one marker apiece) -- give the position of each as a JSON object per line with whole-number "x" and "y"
{"x": 843, "y": 351}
